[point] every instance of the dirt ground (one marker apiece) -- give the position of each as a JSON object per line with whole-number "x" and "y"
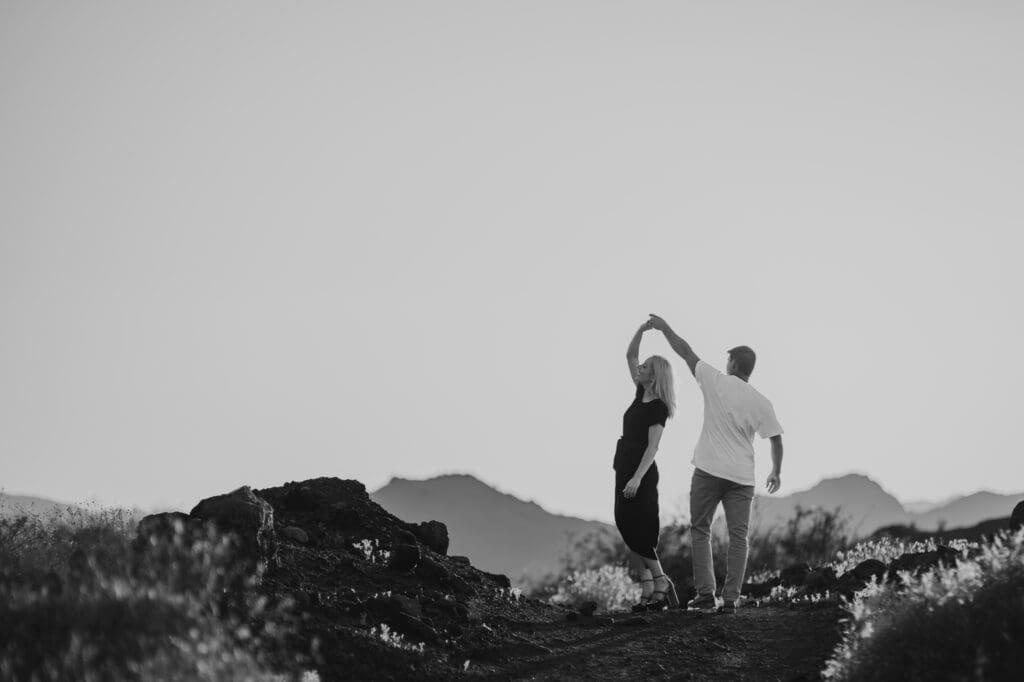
{"x": 763, "y": 643}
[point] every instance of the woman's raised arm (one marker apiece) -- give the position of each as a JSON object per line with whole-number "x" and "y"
{"x": 633, "y": 352}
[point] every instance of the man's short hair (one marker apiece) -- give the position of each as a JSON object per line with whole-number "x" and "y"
{"x": 745, "y": 359}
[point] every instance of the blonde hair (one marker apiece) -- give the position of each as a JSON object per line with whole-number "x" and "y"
{"x": 663, "y": 385}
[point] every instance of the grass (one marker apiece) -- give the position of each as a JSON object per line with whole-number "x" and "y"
{"x": 962, "y": 622}
{"x": 81, "y": 598}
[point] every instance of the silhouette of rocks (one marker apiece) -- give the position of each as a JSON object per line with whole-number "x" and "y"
{"x": 1017, "y": 517}
{"x": 502, "y": 580}
{"x": 759, "y": 590}
{"x": 793, "y": 576}
{"x": 404, "y": 557}
{"x": 821, "y": 580}
{"x": 244, "y": 513}
{"x": 434, "y": 535}
{"x": 588, "y": 608}
{"x": 868, "y": 568}
{"x": 920, "y": 562}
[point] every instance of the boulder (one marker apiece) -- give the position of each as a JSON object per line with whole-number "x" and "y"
{"x": 871, "y": 567}
{"x": 243, "y": 513}
{"x": 502, "y": 580}
{"x": 1017, "y": 517}
{"x": 850, "y": 584}
{"x": 295, "y": 534}
{"x": 461, "y": 560}
{"x": 793, "y": 576}
{"x": 821, "y": 580}
{"x": 921, "y": 562}
{"x": 434, "y": 535}
{"x": 166, "y": 527}
{"x": 588, "y": 608}
{"x": 404, "y": 557}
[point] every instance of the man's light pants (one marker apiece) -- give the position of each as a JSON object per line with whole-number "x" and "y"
{"x": 706, "y": 491}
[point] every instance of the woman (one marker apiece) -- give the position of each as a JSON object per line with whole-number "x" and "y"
{"x": 636, "y": 474}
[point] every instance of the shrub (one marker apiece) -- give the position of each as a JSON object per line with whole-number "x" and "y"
{"x": 79, "y": 601}
{"x": 610, "y": 586}
{"x": 960, "y": 622}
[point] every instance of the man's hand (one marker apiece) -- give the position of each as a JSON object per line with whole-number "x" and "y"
{"x": 658, "y": 323}
{"x": 774, "y": 482}
{"x": 629, "y": 491}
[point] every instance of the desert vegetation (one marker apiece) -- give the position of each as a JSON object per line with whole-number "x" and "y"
{"x": 83, "y": 598}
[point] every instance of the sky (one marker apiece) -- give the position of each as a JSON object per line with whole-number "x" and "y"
{"x": 245, "y": 243}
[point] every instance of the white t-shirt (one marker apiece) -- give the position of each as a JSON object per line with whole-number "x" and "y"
{"x": 733, "y": 412}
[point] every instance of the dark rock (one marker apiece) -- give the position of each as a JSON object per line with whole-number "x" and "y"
{"x": 344, "y": 515}
{"x": 850, "y": 584}
{"x": 434, "y": 535}
{"x": 502, "y": 580}
{"x": 871, "y": 567}
{"x": 414, "y": 628}
{"x": 404, "y": 557}
{"x": 756, "y": 590}
{"x": 921, "y": 562}
{"x": 462, "y": 560}
{"x": 572, "y": 617}
{"x": 1017, "y": 517}
{"x": 821, "y": 580}
{"x": 244, "y": 514}
{"x": 322, "y": 494}
{"x": 633, "y": 621}
{"x": 428, "y": 569}
{"x": 793, "y": 576}
{"x": 295, "y": 534}
{"x": 588, "y": 608}
{"x": 392, "y": 607}
{"x": 404, "y": 537}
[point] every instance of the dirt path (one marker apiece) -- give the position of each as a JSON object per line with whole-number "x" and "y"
{"x": 766, "y": 643}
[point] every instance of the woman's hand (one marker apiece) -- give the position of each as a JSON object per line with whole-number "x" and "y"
{"x": 629, "y": 491}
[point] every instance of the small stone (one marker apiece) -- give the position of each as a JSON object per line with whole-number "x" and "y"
{"x": 434, "y": 535}
{"x": 588, "y": 608}
{"x": 793, "y": 576}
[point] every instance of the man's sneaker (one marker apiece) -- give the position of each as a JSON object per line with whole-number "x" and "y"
{"x": 729, "y": 606}
{"x": 702, "y": 602}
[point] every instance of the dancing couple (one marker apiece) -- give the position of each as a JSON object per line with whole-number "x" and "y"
{"x": 723, "y": 467}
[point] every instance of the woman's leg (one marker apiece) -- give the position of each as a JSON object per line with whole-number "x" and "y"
{"x": 639, "y": 566}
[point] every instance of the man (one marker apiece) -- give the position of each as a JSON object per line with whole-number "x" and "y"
{"x": 724, "y": 464}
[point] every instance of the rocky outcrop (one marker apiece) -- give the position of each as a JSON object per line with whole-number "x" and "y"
{"x": 1017, "y": 517}
{"x": 244, "y": 514}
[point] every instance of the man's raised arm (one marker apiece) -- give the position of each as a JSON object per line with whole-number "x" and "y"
{"x": 678, "y": 344}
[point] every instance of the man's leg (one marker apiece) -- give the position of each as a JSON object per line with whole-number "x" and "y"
{"x": 736, "y": 502}
{"x": 705, "y": 493}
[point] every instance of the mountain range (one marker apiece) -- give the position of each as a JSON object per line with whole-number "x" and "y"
{"x": 866, "y": 507}
{"x": 503, "y": 534}
{"x": 19, "y": 505}
{"x": 500, "y": 533}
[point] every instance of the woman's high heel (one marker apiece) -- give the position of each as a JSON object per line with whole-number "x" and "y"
{"x": 671, "y": 599}
{"x": 644, "y": 601}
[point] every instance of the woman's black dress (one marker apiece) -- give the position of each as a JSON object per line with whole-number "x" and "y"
{"x": 637, "y": 518}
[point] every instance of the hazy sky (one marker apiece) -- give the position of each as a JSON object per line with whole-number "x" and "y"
{"x": 254, "y": 242}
